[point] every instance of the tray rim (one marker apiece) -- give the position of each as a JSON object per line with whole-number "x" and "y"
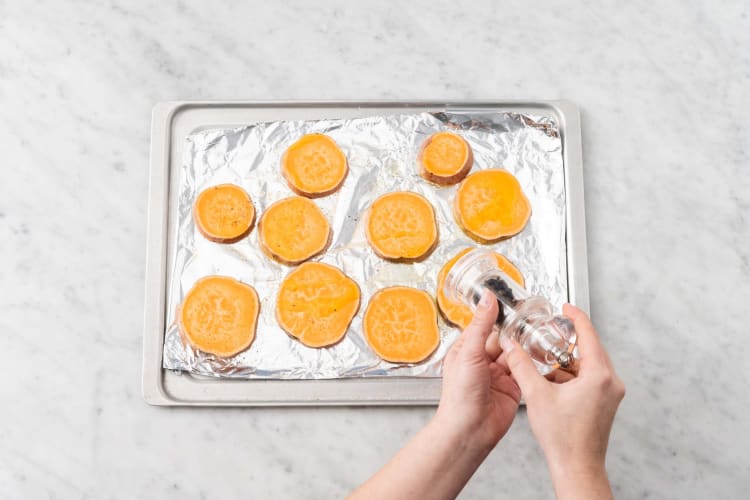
{"x": 162, "y": 387}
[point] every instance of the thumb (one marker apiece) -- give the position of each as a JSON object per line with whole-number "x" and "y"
{"x": 475, "y": 335}
{"x": 522, "y": 368}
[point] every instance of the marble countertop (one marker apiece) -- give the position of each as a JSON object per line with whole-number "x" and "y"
{"x": 664, "y": 89}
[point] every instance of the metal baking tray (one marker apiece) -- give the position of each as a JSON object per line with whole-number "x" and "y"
{"x": 172, "y": 122}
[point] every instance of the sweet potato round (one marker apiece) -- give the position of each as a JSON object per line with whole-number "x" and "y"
{"x": 219, "y": 315}
{"x": 489, "y": 205}
{"x": 293, "y": 230}
{"x": 401, "y": 226}
{"x": 316, "y": 303}
{"x": 457, "y": 313}
{"x": 314, "y": 166}
{"x": 224, "y": 213}
{"x": 445, "y": 158}
{"x": 400, "y": 324}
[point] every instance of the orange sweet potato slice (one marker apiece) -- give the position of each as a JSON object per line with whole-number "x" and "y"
{"x": 490, "y": 205}
{"x": 314, "y": 166}
{"x": 316, "y": 303}
{"x": 457, "y": 313}
{"x": 401, "y": 226}
{"x": 224, "y": 213}
{"x": 400, "y": 324}
{"x": 445, "y": 158}
{"x": 219, "y": 315}
{"x": 293, "y": 230}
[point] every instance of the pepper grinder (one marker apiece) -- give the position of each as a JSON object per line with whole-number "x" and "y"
{"x": 549, "y": 339}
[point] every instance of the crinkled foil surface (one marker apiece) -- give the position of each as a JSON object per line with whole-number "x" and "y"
{"x": 382, "y": 153}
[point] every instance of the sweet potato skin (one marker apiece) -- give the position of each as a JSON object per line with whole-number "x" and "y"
{"x": 312, "y": 194}
{"x": 226, "y": 241}
{"x": 281, "y": 260}
{"x": 185, "y": 331}
{"x": 217, "y": 239}
{"x": 400, "y": 258}
{"x": 503, "y": 235}
{"x": 269, "y": 252}
{"x": 320, "y": 194}
{"x": 433, "y": 336}
{"x": 443, "y": 180}
{"x": 349, "y": 317}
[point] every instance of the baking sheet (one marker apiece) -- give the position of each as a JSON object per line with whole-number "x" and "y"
{"x": 382, "y": 154}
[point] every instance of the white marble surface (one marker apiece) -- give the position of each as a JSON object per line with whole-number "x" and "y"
{"x": 664, "y": 89}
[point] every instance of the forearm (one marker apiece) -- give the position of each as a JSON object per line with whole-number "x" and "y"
{"x": 435, "y": 464}
{"x": 580, "y": 482}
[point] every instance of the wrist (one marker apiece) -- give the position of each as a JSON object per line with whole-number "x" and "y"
{"x": 575, "y": 465}
{"x": 573, "y": 477}
{"x": 463, "y": 434}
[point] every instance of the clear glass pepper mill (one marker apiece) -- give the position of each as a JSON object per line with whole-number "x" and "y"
{"x": 529, "y": 319}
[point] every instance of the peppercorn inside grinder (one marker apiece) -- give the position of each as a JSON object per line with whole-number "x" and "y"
{"x": 529, "y": 319}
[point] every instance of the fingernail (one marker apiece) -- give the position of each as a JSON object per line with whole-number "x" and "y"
{"x": 486, "y": 299}
{"x": 506, "y": 344}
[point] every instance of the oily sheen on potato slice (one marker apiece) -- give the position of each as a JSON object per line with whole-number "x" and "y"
{"x": 316, "y": 303}
{"x": 458, "y": 313}
{"x": 400, "y": 324}
{"x": 314, "y": 166}
{"x": 293, "y": 230}
{"x": 445, "y": 158}
{"x": 489, "y": 205}
{"x": 224, "y": 213}
{"x": 401, "y": 226}
{"x": 219, "y": 315}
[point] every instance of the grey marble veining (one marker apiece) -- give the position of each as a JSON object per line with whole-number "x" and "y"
{"x": 664, "y": 89}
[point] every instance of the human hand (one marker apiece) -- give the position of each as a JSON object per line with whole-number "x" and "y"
{"x": 571, "y": 420}
{"x": 479, "y": 397}
{"x": 477, "y": 406}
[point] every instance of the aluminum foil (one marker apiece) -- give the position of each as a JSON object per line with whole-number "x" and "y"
{"x": 382, "y": 152}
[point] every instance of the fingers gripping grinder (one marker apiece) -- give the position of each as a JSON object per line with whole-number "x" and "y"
{"x": 549, "y": 339}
